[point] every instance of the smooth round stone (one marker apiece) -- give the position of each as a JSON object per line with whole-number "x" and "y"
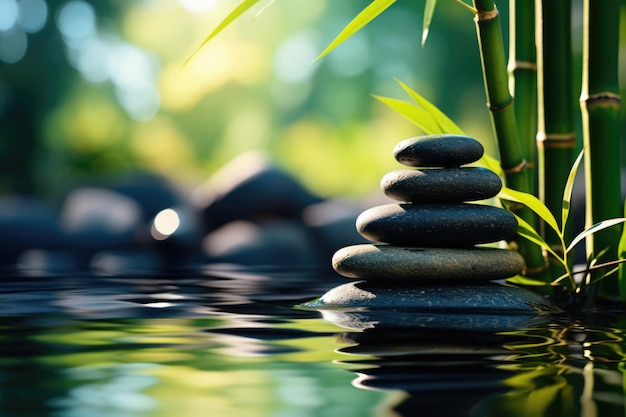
{"x": 416, "y": 318}
{"x": 436, "y": 225}
{"x": 395, "y": 264}
{"x": 438, "y": 151}
{"x": 449, "y": 185}
{"x": 467, "y": 299}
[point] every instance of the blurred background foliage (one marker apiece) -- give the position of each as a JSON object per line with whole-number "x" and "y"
{"x": 95, "y": 88}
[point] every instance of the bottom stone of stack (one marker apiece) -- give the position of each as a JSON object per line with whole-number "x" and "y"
{"x": 480, "y": 298}
{"x": 415, "y": 265}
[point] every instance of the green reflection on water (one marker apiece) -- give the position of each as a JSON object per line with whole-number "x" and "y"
{"x": 563, "y": 370}
{"x": 176, "y": 366}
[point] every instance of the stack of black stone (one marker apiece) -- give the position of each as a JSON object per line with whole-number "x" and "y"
{"x": 433, "y": 235}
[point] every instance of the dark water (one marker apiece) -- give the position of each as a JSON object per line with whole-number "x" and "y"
{"x": 229, "y": 342}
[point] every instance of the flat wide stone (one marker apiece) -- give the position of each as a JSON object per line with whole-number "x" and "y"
{"x": 402, "y": 265}
{"x": 438, "y": 151}
{"x": 447, "y": 185}
{"x": 466, "y": 299}
{"x": 359, "y": 318}
{"x": 436, "y": 225}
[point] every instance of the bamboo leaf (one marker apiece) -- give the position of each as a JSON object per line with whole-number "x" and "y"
{"x": 569, "y": 186}
{"x": 368, "y": 14}
{"x": 604, "y": 275}
{"x": 416, "y": 115}
{"x": 243, "y": 7}
{"x": 264, "y": 8}
{"x": 446, "y": 125}
{"x": 467, "y": 6}
{"x": 595, "y": 228}
{"x": 532, "y": 203}
{"x": 522, "y": 280}
{"x": 526, "y": 231}
{"x": 429, "y": 10}
{"x": 559, "y": 279}
{"x": 621, "y": 253}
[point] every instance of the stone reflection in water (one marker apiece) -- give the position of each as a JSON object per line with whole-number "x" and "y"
{"x": 545, "y": 369}
{"x": 443, "y": 371}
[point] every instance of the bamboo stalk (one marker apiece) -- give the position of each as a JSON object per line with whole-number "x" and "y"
{"x": 522, "y": 69}
{"x": 556, "y": 137}
{"x": 600, "y": 102}
{"x": 502, "y": 111}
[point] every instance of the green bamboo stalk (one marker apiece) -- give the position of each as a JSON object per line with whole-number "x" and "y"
{"x": 502, "y": 111}
{"x": 600, "y": 102}
{"x": 556, "y": 137}
{"x": 522, "y": 69}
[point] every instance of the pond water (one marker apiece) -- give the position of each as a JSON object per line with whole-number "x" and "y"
{"x": 227, "y": 341}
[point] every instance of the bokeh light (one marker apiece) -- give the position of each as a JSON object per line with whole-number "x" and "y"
{"x": 165, "y": 224}
{"x": 8, "y": 14}
{"x": 109, "y": 91}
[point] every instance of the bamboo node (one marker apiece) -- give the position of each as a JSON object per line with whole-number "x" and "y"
{"x": 485, "y": 15}
{"x": 526, "y": 65}
{"x": 517, "y": 168}
{"x": 603, "y": 99}
{"x": 557, "y": 140}
{"x": 495, "y": 109}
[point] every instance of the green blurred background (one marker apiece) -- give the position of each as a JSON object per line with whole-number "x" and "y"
{"x": 95, "y": 88}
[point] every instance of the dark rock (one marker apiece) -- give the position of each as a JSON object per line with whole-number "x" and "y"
{"x": 436, "y": 225}
{"x": 465, "y": 299}
{"x": 270, "y": 243}
{"x": 331, "y": 224}
{"x": 451, "y": 185}
{"x": 27, "y": 223}
{"x": 96, "y": 218}
{"x": 250, "y": 188}
{"x": 176, "y": 233}
{"x": 48, "y": 261}
{"x": 406, "y": 265}
{"x": 151, "y": 192}
{"x": 438, "y": 151}
{"x": 126, "y": 262}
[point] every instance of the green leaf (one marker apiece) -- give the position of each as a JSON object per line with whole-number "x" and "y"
{"x": 429, "y": 10}
{"x": 446, "y": 125}
{"x": 561, "y": 278}
{"x": 532, "y": 203}
{"x": 232, "y": 16}
{"x": 621, "y": 253}
{"x": 604, "y": 275}
{"x": 595, "y": 228}
{"x": 416, "y": 115}
{"x": 528, "y": 232}
{"x": 368, "y": 14}
{"x": 264, "y": 8}
{"x": 569, "y": 186}
{"x": 522, "y": 280}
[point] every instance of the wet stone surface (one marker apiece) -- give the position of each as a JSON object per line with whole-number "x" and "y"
{"x": 450, "y": 298}
{"x": 438, "y": 151}
{"x": 406, "y": 265}
{"x": 436, "y": 225}
{"x": 452, "y": 185}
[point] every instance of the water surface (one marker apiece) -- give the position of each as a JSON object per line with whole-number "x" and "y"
{"x": 228, "y": 341}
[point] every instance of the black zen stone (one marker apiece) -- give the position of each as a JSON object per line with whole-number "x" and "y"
{"x": 438, "y": 151}
{"x": 465, "y": 299}
{"x": 410, "y": 265}
{"x": 436, "y": 225}
{"x": 451, "y": 185}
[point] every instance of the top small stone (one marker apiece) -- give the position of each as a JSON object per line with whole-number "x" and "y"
{"x": 438, "y": 151}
